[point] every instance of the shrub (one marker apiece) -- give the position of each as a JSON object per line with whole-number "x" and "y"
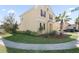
{"x": 41, "y": 28}
{"x": 15, "y": 27}
{"x": 53, "y": 33}
{"x": 28, "y": 32}
{"x": 33, "y": 34}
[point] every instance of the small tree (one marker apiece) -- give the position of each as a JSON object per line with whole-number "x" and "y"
{"x": 15, "y": 27}
{"x": 7, "y": 27}
{"x": 9, "y": 24}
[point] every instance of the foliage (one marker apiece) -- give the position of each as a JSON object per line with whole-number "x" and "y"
{"x": 62, "y": 18}
{"x": 28, "y": 32}
{"x": 53, "y": 33}
{"x": 15, "y": 27}
{"x": 7, "y": 27}
{"x": 9, "y": 23}
{"x": 41, "y": 28}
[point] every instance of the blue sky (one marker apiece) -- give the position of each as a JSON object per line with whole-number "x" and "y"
{"x": 57, "y": 9}
{"x": 19, "y": 9}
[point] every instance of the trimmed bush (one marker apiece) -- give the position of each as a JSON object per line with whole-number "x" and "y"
{"x": 53, "y": 33}
{"x": 28, "y": 32}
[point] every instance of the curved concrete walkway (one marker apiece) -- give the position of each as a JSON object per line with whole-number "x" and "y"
{"x": 60, "y": 46}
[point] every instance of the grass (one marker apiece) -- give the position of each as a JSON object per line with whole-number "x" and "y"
{"x": 32, "y": 39}
{"x": 12, "y": 50}
{"x": 39, "y": 40}
{"x": 5, "y": 34}
{"x": 2, "y": 49}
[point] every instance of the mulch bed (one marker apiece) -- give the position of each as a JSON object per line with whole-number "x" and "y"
{"x": 54, "y": 36}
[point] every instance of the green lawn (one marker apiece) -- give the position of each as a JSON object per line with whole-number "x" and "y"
{"x": 12, "y": 50}
{"x": 3, "y": 49}
{"x": 6, "y": 35}
{"x": 39, "y": 40}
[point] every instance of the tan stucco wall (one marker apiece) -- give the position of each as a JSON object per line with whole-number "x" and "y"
{"x": 31, "y": 19}
{"x": 56, "y": 26}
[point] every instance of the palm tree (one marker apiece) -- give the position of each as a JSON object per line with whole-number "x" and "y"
{"x": 77, "y": 22}
{"x": 62, "y": 18}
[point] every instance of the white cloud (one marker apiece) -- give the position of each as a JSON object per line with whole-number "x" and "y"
{"x": 11, "y": 11}
{"x": 3, "y": 9}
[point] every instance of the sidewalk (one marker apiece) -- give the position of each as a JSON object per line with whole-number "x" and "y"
{"x": 60, "y": 46}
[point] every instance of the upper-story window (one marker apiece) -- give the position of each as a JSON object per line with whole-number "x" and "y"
{"x": 50, "y": 16}
{"x": 43, "y": 13}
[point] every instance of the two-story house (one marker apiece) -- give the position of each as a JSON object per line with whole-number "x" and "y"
{"x": 39, "y": 18}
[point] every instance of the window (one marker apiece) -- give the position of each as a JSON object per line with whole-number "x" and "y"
{"x": 40, "y": 25}
{"x": 43, "y": 13}
{"x": 44, "y": 26}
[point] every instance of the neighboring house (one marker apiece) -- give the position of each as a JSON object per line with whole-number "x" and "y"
{"x": 39, "y": 17}
{"x": 65, "y": 25}
{"x": 71, "y": 26}
{"x": 57, "y": 25}
{"x": 1, "y": 29}
{"x": 77, "y": 26}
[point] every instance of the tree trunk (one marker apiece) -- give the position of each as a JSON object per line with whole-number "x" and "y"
{"x": 61, "y": 27}
{"x": 78, "y": 26}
